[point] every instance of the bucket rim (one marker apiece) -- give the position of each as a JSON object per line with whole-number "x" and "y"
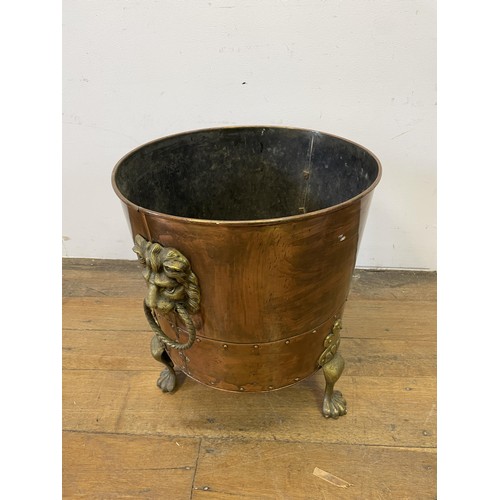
{"x": 245, "y": 222}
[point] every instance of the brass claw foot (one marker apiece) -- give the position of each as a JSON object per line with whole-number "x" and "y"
{"x": 334, "y": 404}
{"x": 166, "y": 380}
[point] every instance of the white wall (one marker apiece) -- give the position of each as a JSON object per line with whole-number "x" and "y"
{"x": 362, "y": 69}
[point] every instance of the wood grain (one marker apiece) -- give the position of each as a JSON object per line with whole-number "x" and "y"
{"x": 124, "y": 438}
{"x": 118, "y": 466}
{"x": 381, "y": 410}
{"x": 284, "y": 470}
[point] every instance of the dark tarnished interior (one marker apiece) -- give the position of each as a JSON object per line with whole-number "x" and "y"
{"x": 245, "y": 173}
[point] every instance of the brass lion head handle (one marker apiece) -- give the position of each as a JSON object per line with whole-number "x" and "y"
{"x": 172, "y": 286}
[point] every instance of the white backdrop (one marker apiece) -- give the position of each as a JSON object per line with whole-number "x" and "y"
{"x": 137, "y": 70}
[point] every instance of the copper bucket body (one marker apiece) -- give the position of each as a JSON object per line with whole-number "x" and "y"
{"x": 270, "y": 220}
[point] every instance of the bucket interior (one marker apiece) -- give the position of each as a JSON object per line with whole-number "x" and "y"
{"x": 245, "y": 173}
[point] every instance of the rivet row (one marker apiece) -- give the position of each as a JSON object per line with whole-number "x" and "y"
{"x": 242, "y": 389}
{"x": 256, "y": 346}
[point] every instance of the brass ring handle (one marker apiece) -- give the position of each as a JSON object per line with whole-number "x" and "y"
{"x": 186, "y": 318}
{"x": 172, "y": 287}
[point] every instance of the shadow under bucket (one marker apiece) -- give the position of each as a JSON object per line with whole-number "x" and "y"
{"x": 248, "y": 238}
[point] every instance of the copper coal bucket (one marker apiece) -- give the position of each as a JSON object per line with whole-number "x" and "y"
{"x": 248, "y": 239}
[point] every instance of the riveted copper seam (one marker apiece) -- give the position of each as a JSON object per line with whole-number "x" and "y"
{"x": 251, "y": 367}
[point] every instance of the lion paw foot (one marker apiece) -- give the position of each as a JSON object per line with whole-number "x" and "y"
{"x": 334, "y": 406}
{"x": 166, "y": 380}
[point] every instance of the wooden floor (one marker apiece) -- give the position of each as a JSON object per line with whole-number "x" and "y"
{"x": 124, "y": 438}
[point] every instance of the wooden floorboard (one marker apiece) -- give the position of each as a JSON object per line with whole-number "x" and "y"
{"x": 381, "y": 410}
{"x": 123, "y": 438}
{"x": 281, "y": 470}
{"x": 118, "y": 466}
